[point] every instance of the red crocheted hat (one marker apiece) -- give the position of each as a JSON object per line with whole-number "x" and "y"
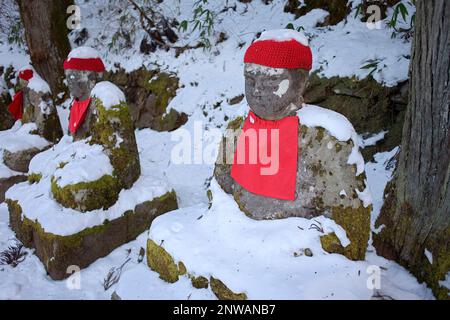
{"x": 84, "y": 59}
{"x": 287, "y": 49}
{"x": 26, "y": 74}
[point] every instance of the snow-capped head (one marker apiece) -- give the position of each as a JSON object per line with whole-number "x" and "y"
{"x": 84, "y": 59}
{"x": 38, "y": 84}
{"x": 108, "y": 93}
{"x": 282, "y": 48}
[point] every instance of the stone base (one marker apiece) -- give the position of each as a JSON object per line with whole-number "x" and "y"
{"x": 6, "y": 183}
{"x": 57, "y": 252}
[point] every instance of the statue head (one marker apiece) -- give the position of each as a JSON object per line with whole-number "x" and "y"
{"x": 81, "y": 83}
{"x": 274, "y": 93}
{"x": 83, "y": 68}
{"x": 24, "y": 76}
{"x": 276, "y": 73}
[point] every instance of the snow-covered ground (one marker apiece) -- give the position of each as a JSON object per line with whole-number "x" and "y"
{"x": 209, "y": 79}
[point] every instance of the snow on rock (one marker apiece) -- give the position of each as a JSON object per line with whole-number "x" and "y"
{"x": 365, "y": 196}
{"x": 83, "y": 53}
{"x": 429, "y": 256}
{"x": 283, "y": 35}
{"x": 38, "y": 84}
{"x": 59, "y": 220}
{"x": 72, "y": 162}
{"x": 20, "y": 138}
{"x": 337, "y": 125}
{"x": 108, "y": 93}
{"x": 261, "y": 258}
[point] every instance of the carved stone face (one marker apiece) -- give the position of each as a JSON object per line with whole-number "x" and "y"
{"x": 274, "y": 93}
{"x": 81, "y": 83}
{"x": 22, "y": 84}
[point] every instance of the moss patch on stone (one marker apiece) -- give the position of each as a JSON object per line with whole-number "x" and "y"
{"x": 160, "y": 261}
{"x": 34, "y": 177}
{"x": 58, "y": 252}
{"x": 236, "y": 123}
{"x": 87, "y": 196}
{"x": 200, "y": 282}
{"x": 331, "y": 243}
{"x": 222, "y": 292}
{"x": 124, "y": 157}
{"x": 356, "y": 223}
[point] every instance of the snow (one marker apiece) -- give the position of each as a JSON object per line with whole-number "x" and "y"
{"x": 429, "y": 256}
{"x": 72, "y": 162}
{"x": 20, "y": 138}
{"x": 281, "y": 35}
{"x": 365, "y": 196}
{"x": 372, "y": 140}
{"x": 108, "y": 93}
{"x": 83, "y": 53}
{"x": 337, "y": 125}
{"x": 38, "y": 84}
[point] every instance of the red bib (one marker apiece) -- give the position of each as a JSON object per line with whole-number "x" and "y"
{"x": 77, "y": 114}
{"x": 265, "y": 161}
{"x": 16, "y": 106}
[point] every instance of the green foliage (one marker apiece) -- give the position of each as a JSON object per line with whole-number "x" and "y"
{"x": 400, "y": 9}
{"x": 203, "y": 20}
{"x": 291, "y": 26}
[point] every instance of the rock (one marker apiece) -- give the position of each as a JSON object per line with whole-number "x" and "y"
{"x": 20, "y": 160}
{"x": 370, "y": 106}
{"x": 57, "y": 252}
{"x": 200, "y": 282}
{"x": 322, "y": 174}
{"x": 6, "y": 183}
{"x": 160, "y": 261}
{"x": 338, "y": 9}
{"x": 222, "y": 292}
{"x": 149, "y": 93}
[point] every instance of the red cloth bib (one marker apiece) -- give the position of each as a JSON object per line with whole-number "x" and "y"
{"x": 265, "y": 161}
{"x": 78, "y": 112}
{"x": 16, "y": 106}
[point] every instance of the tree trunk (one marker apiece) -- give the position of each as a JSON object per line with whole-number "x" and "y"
{"x": 416, "y": 212}
{"x": 46, "y": 34}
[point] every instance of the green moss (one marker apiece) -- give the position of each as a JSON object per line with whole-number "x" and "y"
{"x": 318, "y": 203}
{"x": 356, "y": 223}
{"x": 160, "y": 261}
{"x": 320, "y": 134}
{"x": 222, "y": 292}
{"x": 62, "y": 164}
{"x": 331, "y": 243}
{"x": 236, "y": 123}
{"x": 87, "y": 196}
{"x": 338, "y": 147}
{"x": 34, "y": 177}
{"x": 200, "y": 282}
{"x": 124, "y": 157}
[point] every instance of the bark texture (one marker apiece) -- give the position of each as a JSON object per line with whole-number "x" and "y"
{"x": 46, "y": 34}
{"x": 416, "y": 212}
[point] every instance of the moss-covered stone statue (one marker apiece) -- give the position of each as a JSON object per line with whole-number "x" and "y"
{"x": 6, "y": 119}
{"x": 37, "y": 129}
{"x": 291, "y": 160}
{"x": 320, "y": 173}
{"x": 97, "y": 198}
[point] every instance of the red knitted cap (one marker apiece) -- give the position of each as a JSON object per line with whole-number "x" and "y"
{"x": 287, "y": 53}
{"x": 26, "y": 74}
{"x": 84, "y": 59}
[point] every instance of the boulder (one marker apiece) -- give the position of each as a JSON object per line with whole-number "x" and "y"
{"x": 59, "y": 252}
{"x": 369, "y": 106}
{"x": 6, "y": 120}
{"x": 149, "y": 93}
{"x": 326, "y": 184}
{"x": 20, "y": 160}
{"x": 6, "y": 183}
